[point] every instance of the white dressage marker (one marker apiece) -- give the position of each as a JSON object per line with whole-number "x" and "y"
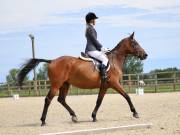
{"x": 101, "y": 130}
{"x": 16, "y": 96}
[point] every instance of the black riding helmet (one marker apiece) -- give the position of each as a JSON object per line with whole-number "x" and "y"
{"x": 90, "y": 16}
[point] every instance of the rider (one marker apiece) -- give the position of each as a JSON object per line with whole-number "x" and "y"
{"x": 93, "y": 47}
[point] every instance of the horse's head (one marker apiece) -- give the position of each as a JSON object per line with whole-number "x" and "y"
{"x": 133, "y": 47}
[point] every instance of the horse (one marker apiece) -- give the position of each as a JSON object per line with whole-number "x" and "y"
{"x": 67, "y": 70}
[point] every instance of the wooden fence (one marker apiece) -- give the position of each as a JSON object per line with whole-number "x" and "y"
{"x": 154, "y": 82}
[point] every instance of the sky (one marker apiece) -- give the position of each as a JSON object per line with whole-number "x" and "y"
{"x": 59, "y": 26}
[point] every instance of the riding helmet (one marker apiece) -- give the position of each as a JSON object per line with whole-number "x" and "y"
{"x": 90, "y": 16}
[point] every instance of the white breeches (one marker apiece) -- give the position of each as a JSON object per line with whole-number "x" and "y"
{"x": 99, "y": 55}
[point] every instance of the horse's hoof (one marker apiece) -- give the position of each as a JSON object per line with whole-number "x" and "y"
{"x": 43, "y": 124}
{"x": 74, "y": 119}
{"x": 135, "y": 115}
{"x": 94, "y": 119}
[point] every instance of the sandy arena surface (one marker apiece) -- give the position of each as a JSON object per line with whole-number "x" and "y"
{"x": 21, "y": 117}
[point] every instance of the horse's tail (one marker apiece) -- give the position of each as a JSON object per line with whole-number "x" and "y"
{"x": 27, "y": 67}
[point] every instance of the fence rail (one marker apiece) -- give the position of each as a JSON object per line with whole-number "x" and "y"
{"x": 154, "y": 82}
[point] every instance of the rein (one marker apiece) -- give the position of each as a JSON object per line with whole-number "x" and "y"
{"x": 112, "y": 58}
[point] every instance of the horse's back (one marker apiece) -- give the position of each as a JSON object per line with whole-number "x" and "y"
{"x": 65, "y": 60}
{"x": 75, "y": 71}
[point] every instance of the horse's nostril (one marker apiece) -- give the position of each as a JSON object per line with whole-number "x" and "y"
{"x": 145, "y": 55}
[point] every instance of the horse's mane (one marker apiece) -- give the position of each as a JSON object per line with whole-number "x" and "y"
{"x": 117, "y": 46}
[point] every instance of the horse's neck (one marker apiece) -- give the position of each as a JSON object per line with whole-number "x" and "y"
{"x": 119, "y": 56}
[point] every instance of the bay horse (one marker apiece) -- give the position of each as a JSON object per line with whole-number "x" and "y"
{"x": 66, "y": 70}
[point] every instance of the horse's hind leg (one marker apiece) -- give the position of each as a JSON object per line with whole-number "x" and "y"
{"x": 101, "y": 94}
{"x": 52, "y": 92}
{"x": 63, "y": 91}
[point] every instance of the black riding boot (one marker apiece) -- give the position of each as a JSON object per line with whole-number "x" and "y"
{"x": 103, "y": 73}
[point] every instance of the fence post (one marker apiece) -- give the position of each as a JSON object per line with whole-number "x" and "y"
{"x": 39, "y": 87}
{"x": 156, "y": 82}
{"x": 174, "y": 82}
{"x": 29, "y": 87}
{"x": 35, "y": 87}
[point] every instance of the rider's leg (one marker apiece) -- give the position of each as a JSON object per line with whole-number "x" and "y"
{"x": 100, "y": 56}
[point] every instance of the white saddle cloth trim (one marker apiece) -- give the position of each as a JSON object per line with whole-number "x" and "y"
{"x": 92, "y": 60}
{"x": 86, "y": 59}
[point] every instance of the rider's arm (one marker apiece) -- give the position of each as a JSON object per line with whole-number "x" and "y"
{"x": 91, "y": 35}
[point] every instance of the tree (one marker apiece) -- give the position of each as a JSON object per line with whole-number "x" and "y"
{"x": 11, "y": 77}
{"x": 164, "y": 70}
{"x": 133, "y": 65}
{"x": 42, "y": 72}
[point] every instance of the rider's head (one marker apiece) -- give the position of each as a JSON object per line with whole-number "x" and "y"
{"x": 90, "y": 18}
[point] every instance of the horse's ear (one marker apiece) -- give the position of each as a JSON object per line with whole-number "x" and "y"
{"x": 132, "y": 36}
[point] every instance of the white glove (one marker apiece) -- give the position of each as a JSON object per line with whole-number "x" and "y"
{"x": 103, "y": 49}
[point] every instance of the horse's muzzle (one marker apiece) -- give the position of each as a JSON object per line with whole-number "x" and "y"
{"x": 143, "y": 56}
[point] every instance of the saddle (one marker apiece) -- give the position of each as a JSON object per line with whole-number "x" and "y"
{"x": 96, "y": 62}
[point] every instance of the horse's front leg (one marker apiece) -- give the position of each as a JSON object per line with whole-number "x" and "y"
{"x": 101, "y": 94}
{"x": 120, "y": 90}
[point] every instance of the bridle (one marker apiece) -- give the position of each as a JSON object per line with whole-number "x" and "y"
{"x": 112, "y": 58}
{"x": 134, "y": 45}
